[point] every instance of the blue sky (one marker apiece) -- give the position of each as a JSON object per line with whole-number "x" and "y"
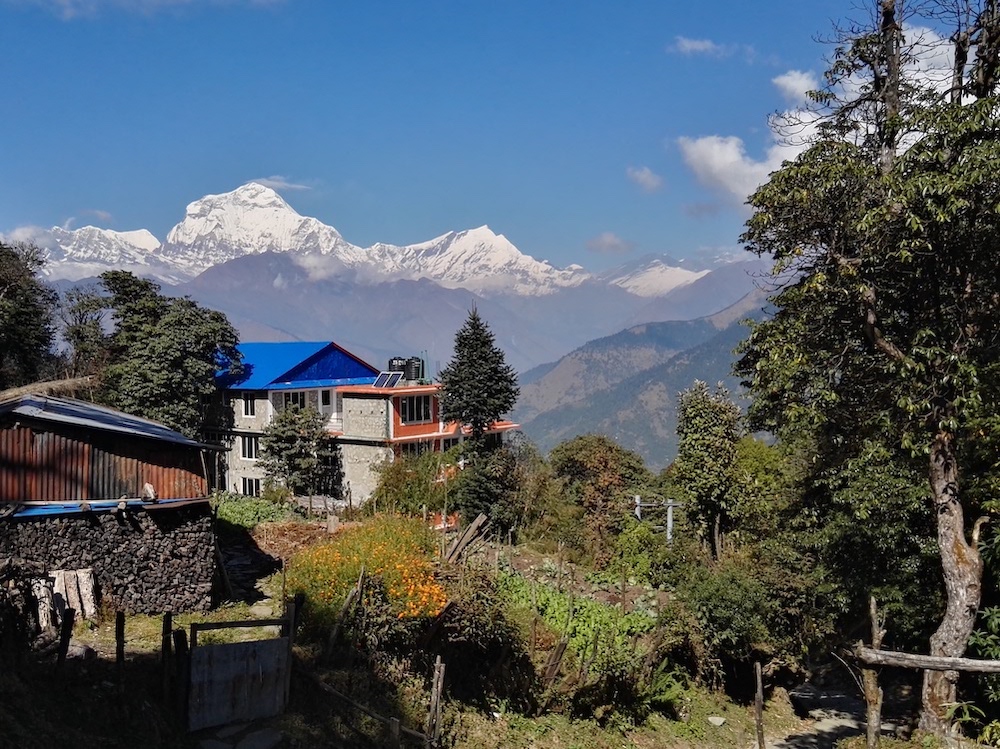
{"x": 586, "y": 132}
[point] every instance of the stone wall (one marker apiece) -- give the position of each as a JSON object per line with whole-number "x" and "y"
{"x": 359, "y": 463}
{"x": 144, "y": 562}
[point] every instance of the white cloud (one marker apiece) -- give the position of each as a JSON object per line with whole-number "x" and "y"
{"x": 71, "y": 9}
{"x": 278, "y": 182}
{"x": 723, "y": 164}
{"x": 29, "y": 234}
{"x": 609, "y": 243}
{"x": 686, "y": 46}
{"x": 645, "y": 177}
{"x": 794, "y": 85}
{"x": 99, "y": 214}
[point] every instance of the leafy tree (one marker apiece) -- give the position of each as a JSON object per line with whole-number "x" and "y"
{"x": 601, "y": 478}
{"x": 477, "y": 386}
{"x": 709, "y": 426}
{"x": 83, "y": 314}
{"x": 884, "y": 235}
{"x": 297, "y": 450}
{"x": 26, "y": 311}
{"x": 161, "y": 358}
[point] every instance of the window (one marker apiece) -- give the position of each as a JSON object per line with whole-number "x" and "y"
{"x": 448, "y": 442}
{"x": 250, "y": 447}
{"x": 251, "y": 487}
{"x": 325, "y": 398}
{"x": 415, "y": 449}
{"x": 295, "y": 398}
{"x": 249, "y": 404}
{"x": 414, "y": 409}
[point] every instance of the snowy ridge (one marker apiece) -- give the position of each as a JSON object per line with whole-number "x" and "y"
{"x": 254, "y": 219}
{"x": 248, "y": 221}
{"x": 655, "y": 278}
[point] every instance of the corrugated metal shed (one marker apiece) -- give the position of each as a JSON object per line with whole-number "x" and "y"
{"x": 284, "y": 365}
{"x": 90, "y": 415}
{"x": 62, "y": 450}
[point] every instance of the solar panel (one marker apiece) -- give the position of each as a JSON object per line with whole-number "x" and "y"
{"x": 382, "y": 379}
{"x": 394, "y": 377}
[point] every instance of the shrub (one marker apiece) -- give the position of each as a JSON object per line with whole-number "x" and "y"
{"x": 394, "y": 551}
{"x": 247, "y": 512}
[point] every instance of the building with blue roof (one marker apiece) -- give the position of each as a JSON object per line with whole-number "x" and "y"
{"x": 277, "y": 375}
{"x": 373, "y": 416}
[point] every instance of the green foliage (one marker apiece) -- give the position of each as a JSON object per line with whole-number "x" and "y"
{"x": 732, "y": 608}
{"x": 26, "y": 316}
{"x": 581, "y": 619}
{"x": 248, "y": 512}
{"x": 83, "y": 314}
{"x": 600, "y": 478}
{"x": 477, "y": 385}
{"x": 162, "y": 357}
{"x": 407, "y": 484}
{"x": 298, "y": 452}
{"x": 709, "y": 426}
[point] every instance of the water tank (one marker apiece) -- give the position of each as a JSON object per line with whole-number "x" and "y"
{"x": 414, "y": 369}
{"x": 397, "y": 364}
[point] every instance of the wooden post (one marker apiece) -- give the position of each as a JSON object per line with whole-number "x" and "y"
{"x": 432, "y": 730}
{"x": 65, "y": 633}
{"x": 394, "y": 737}
{"x": 88, "y": 594}
{"x": 120, "y": 646}
{"x": 293, "y": 612}
{"x": 165, "y": 654}
{"x": 869, "y": 684}
{"x": 759, "y": 704}
{"x": 42, "y": 590}
{"x": 183, "y": 666}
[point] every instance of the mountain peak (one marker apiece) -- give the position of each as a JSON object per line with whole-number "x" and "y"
{"x": 249, "y": 220}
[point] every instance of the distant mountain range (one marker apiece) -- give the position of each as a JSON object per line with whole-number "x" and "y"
{"x": 280, "y": 275}
{"x": 254, "y": 219}
{"x": 626, "y": 385}
{"x": 597, "y": 351}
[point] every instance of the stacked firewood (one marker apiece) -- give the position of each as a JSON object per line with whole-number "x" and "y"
{"x": 143, "y": 562}
{"x": 18, "y": 625}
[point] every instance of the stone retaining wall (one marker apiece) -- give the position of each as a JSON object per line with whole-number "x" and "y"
{"x": 144, "y": 561}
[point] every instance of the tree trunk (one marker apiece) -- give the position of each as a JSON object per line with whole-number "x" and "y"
{"x": 963, "y": 571}
{"x": 717, "y": 537}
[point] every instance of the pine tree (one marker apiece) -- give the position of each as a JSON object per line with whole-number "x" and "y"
{"x": 477, "y": 386}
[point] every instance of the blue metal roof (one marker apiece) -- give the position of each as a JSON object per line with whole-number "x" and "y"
{"x": 92, "y": 416}
{"x": 288, "y": 365}
{"x": 99, "y": 505}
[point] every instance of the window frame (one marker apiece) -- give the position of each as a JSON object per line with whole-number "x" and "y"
{"x": 250, "y": 443}
{"x": 249, "y": 403}
{"x": 408, "y": 405}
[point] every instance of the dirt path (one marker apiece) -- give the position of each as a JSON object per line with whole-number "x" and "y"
{"x": 834, "y": 715}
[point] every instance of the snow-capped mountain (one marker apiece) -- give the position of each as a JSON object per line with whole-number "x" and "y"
{"x": 254, "y": 219}
{"x": 105, "y": 245}
{"x": 651, "y": 277}
{"x": 248, "y": 221}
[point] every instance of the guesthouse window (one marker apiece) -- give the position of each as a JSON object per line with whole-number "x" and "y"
{"x": 415, "y": 409}
{"x": 250, "y": 447}
{"x": 295, "y": 398}
{"x": 251, "y": 487}
{"x": 249, "y": 404}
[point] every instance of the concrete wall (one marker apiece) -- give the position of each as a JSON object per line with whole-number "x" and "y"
{"x": 359, "y": 461}
{"x": 366, "y": 417}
